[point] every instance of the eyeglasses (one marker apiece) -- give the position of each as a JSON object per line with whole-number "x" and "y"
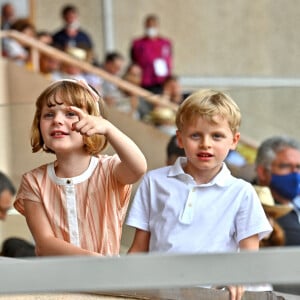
{"x": 288, "y": 167}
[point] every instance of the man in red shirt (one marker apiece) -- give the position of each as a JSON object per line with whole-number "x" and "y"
{"x": 153, "y": 54}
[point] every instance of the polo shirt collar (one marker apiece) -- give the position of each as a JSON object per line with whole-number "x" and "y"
{"x": 223, "y": 178}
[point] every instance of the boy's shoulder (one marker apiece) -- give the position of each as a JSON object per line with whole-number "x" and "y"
{"x": 242, "y": 185}
{"x": 158, "y": 172}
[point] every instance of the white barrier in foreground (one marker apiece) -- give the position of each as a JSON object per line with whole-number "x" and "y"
{"x": 134, "y": 272}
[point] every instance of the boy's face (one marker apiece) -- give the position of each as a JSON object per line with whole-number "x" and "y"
{"x": 206, "y": 145}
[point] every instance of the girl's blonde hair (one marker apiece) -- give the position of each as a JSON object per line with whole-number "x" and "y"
{"x": 208, "y": 103}
{"x": 71, "y": 93}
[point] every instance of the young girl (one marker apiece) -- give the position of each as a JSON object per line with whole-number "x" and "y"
{"x": 77, "y": 204}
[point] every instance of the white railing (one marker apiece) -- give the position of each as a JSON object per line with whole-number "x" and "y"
{"x": 146, "y": 272}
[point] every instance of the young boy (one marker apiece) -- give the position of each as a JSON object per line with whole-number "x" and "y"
{"x": 196, "y": 205}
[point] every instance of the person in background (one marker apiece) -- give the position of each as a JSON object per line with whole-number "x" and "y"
{"x": 172, "y": 90}
{"x": 14, "y": 246}
{"x": 7, "y": 192}
{"x": 277, "y": 166}
{"x": 112, "y": 95}
{"x": 68, "y": 70}
{"x": 71, "y": 35}
{"x": 14, "y": 49}
{"x": 163, "y": 118}
{"x": 8, "y": 16}
{"x": 17, "y": 247}
{"x": 197, "y": 196}
{"x": 173, "y": 151}
{"x": 49, "y": 65}
{"x": 140, "y": 107}
{"x": 153, "y": 53}
{"x": 273, "y": 212}
{"x": 45, "y": 37}
{"x": 133, "y": 74}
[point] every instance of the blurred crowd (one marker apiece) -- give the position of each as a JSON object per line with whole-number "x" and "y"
{"x": 149, "y": 64}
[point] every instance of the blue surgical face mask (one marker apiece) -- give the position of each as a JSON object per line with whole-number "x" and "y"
{"x": 287, "y": 185}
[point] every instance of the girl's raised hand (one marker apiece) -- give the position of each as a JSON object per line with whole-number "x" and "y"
{"x": 88, "y": 124}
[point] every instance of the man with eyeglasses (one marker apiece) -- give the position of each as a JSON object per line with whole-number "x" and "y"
{"x": 278, "y": 167}
{"x": 7, "y": 191}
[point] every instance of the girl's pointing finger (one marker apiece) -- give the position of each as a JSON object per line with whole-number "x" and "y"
{"x": 78, "y": 111}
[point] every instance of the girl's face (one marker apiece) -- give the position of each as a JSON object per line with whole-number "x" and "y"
{"x": 206, "y": 146}
{"x": 56, "y": 129}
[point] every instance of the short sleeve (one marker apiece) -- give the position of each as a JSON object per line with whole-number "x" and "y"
{"x": 28, "y": 190}
{"x": 139, "y": 213}
{"x": 115, "y": 190}
{"x": 251, "y": 218}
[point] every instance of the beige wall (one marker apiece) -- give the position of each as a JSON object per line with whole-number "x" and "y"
{"x": 5, "y": 150}
{"x": 211, "y": 37}
{"x": 269, "y": 111}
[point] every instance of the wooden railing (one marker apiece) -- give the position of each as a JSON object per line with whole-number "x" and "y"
{"x": 38, "y": 47}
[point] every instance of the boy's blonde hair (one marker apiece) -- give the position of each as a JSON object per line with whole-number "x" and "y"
{"x": 208, "y": 103}
{"x": 70, "y": 93}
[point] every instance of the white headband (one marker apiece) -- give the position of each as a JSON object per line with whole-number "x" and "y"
{"x": 83, "y": 83}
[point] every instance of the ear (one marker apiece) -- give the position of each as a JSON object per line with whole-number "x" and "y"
{"x": 179, "y": 139}
{"x": 235, "y": 140}
{"x": 263, "y": 175}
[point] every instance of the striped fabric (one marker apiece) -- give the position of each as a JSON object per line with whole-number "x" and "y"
{"x": 87, "y": 210}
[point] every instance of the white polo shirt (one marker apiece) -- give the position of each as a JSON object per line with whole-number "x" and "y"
{"x": 186, "y": 217}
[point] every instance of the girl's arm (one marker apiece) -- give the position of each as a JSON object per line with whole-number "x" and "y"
{"x": 132, "y": 161}
{"x": 140, "y": 242}
{"x": 132, "y": 164}
{"x": 46, "y": 243}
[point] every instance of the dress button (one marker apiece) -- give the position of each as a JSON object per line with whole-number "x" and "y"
{"x": 68, "y": 181}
